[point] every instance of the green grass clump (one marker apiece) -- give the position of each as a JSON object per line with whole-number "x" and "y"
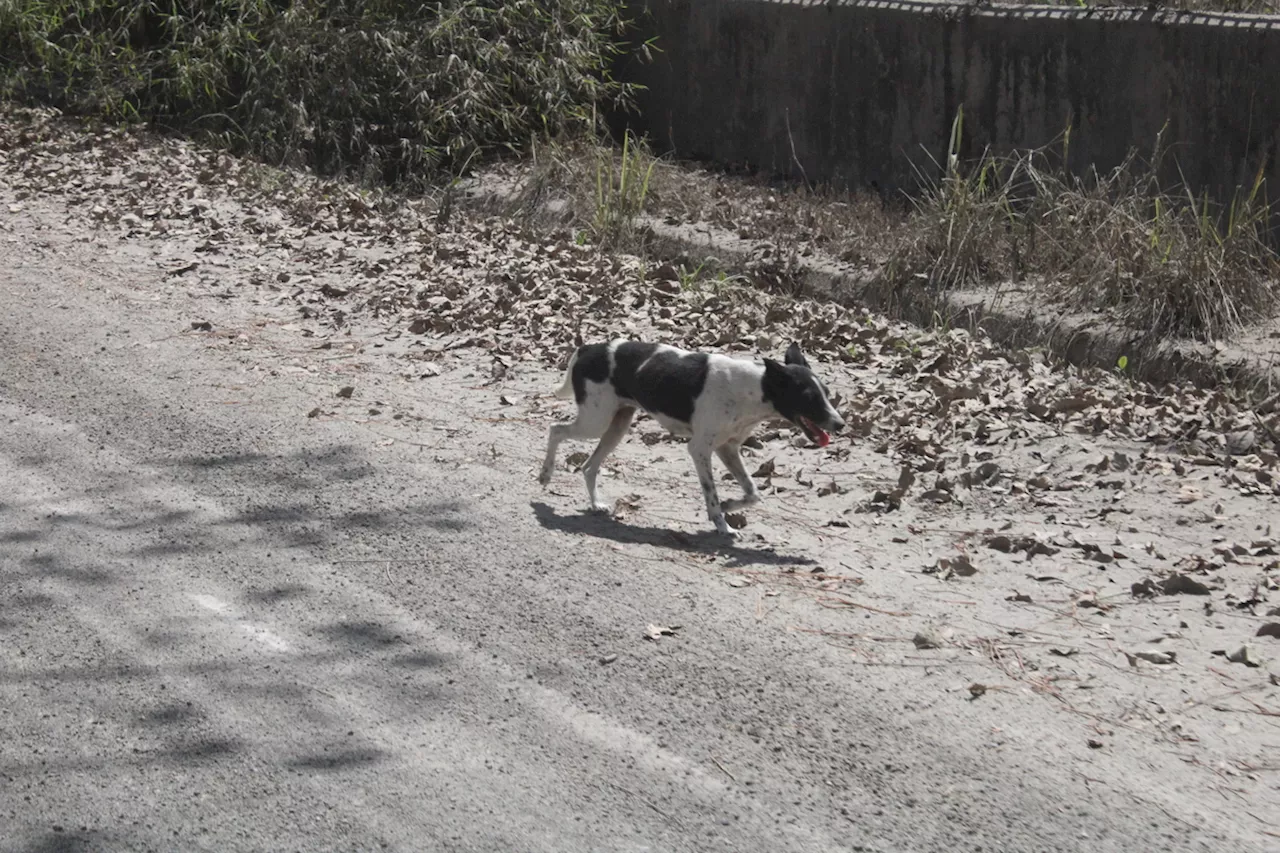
{"x": 1158, "y": 259}
{"x": 389, "y": 91}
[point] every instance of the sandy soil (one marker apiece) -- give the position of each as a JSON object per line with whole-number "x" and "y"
{"x": 277, "y": 575}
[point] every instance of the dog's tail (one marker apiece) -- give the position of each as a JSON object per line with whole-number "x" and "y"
{"x": 565, "y": 391}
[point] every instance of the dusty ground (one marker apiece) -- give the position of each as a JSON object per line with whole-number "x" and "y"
{"x": 245, "y": 607}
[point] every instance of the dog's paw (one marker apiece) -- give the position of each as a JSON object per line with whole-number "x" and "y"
{"x": 544, "y": 478}
{"x": 723, "y": 528}
{"x": 601, "y": 508}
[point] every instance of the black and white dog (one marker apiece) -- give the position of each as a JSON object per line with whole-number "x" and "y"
{"x": 713, "y": 400}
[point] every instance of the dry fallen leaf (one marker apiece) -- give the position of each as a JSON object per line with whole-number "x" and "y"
{"x": 957, "y": 566}
{"x": 1183, "y": 585}
{"x": 1156, "y": 657}
{"x": 1144, "y": 589}
{"x": 927, "y": 639}
{"x": 625, "y": 506}
{"x": 829, "y": 489}
{"x": 653, "y": 632}
{"x": 1189, "y": 494}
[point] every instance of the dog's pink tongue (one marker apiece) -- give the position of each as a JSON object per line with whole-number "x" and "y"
{"x": 823, "y": 438}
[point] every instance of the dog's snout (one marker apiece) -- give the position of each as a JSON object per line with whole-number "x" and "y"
{"x": 837, "y": 425}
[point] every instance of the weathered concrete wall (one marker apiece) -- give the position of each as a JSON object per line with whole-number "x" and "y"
{"x": 856, "y": 91}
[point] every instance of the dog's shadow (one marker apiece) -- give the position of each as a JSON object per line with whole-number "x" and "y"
{"x": 703, "y": 542}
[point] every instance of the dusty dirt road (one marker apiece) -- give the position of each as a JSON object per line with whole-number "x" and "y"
{"x": 228, "y": 625}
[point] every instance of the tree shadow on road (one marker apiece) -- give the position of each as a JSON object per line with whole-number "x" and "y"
{"x": 702, "y": 542}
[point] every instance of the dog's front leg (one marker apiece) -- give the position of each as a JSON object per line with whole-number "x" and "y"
{"x": 730, "y": 455}
{"x": 700, "y": 449}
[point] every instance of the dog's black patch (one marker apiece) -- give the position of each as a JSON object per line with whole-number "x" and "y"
{"x": 662, "y": 381}
{"x": 592, "y": 363}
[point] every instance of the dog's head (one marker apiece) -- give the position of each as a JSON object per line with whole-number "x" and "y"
{"x": 799, "y": 396}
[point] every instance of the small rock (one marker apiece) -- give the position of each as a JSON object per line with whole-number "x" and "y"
{"x": 927, "y": 639}
{"x": 1246, "y": 655}
{"x": 346, "y": 391}
{"x": 608, "y": 659}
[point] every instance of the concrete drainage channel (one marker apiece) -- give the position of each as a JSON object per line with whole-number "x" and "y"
{"x": 1009, "y": 315}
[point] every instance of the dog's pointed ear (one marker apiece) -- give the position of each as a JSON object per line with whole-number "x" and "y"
{"x": 772, "y": 367}
{"x": 795, "y": 356}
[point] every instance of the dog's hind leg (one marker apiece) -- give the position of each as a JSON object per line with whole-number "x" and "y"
{"x": 593, "y": 420}
{"x": 730, "y": 455}
{"x": 700, "y": 450}
{"x": 608, "y": 443}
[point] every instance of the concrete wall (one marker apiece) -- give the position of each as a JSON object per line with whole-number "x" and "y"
{"x": 855, "y": 88}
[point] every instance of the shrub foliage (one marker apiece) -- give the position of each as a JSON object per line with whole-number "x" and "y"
{"x": 393, "y": 90}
